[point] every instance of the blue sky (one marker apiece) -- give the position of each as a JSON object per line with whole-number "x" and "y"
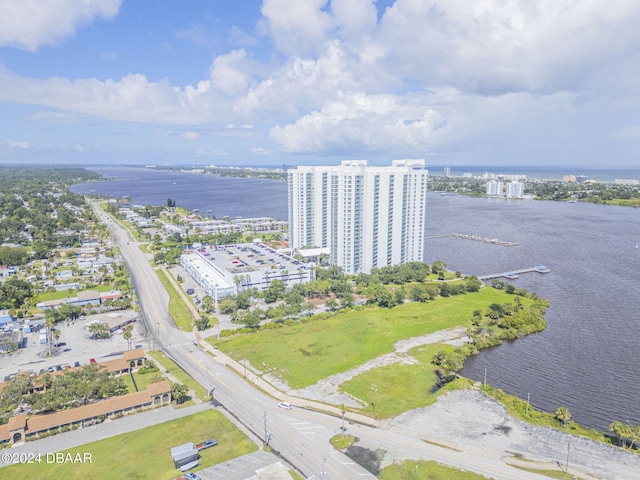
{"x": 503, "y": 83}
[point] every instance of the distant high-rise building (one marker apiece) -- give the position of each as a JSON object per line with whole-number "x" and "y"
{"x": 447, "y": 172}
{"x": 514, "y": 190}
{"x": 367, "y": 216}
{"x": 493, "y": 189}
{"x": 502, "y": 189}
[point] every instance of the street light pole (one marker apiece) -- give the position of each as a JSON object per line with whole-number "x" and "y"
{"x": 566, "y": 468}
{"x": 527, "y": 410}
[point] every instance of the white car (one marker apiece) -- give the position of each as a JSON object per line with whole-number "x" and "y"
{"x": 285, "y": 405}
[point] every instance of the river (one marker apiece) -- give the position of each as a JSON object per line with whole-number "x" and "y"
{"x": 586, "y": 359}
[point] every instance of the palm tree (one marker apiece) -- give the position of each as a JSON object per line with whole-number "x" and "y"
{"x": 563, "y": 414}
{"x": 56, "y": 334}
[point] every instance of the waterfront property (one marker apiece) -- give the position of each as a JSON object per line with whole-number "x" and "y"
{"x": 224, "y": 270}
{"x": 367, "y": 216}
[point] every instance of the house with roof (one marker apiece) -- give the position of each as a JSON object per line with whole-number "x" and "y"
{"x": 21, "y": 427}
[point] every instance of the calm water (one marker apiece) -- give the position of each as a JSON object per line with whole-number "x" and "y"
{"x": 223, "y": 196}
{"x": 586, "y": 360}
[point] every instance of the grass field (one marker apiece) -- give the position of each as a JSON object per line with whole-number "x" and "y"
{"x": 145, "y": 454}
{"x": 142, "y": 380}
{"x": 399, "y": 387}
{"x": 177, "y": 308}
{"x": 180, "y": 374}
{"x": 425, "y": 470}
{"x": 304, "y": 354}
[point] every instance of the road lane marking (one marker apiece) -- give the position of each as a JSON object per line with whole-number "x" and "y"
{"x": 206, "y": 369}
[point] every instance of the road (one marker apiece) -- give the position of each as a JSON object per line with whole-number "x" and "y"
{"x": 300, "y": 436}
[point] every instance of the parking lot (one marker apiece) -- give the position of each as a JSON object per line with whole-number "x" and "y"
{"x": 74, "y": 346}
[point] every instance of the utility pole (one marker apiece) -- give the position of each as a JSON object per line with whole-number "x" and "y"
{"x": 566, "y": 468}
{"x": 373, "y": 396}
{"x": 484, "y": 387}
{"x": 266, "y": 439}
{"x": 527, "y": 410}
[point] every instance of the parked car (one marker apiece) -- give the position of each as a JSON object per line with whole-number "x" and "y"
{"x": 206, "y": 444}
{"x": 285, "y": 405}
{"x": 192, "y": 476}
{"x": 190, "y": 291}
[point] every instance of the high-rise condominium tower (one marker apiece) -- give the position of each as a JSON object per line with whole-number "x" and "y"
{"x": 367, "y": 216}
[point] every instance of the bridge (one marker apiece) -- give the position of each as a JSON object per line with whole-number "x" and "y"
{"x": 513, "y": 274}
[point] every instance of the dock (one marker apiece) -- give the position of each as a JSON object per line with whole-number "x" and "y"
{"x": 478, "y": 238}
{"x": 513, "y": 274}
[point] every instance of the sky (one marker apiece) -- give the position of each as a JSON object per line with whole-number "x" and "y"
{"x": 298, "y": 82}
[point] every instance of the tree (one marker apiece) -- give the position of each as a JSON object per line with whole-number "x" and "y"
{"x": 99, "y": 330}
{"x": 250, "y": 319}
{"x": 331, "y": 304}
{"x": 227, "y": 305}
{"x": 563, "y": 414}
{"x": 626, "y": 433}
{"x": 179, "y": 392}
{"x": 208, "y": 304}
{"x": 202, "y": 323}
{"x": 128, "y": 334}
{"x": 56, "y": 335}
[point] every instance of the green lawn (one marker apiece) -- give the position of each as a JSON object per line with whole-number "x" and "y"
{"x": 425, "y": 470}
{"x": 142, "y": 380}
{"x": 399, "y": 387}
{"x": 550, "y": 473}
{"x": 145, "y": 453}
{"x": 303, "y": 354}
{"x": 180, "y": 374}
{"x": 177, "y": 308}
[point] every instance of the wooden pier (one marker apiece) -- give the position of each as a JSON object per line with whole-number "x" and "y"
{"x": 478, "y": 238}
{"x": 513, "y": 274}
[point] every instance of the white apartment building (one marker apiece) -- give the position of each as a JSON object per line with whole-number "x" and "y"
{"x": 502, "y": 189}
{"x": 367, "y": 216}
{"x": 494, "y": 189}
{"x": 514, "y": 190}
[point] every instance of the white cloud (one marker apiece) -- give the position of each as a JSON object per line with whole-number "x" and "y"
{"x": 364, "y": 122}
{"x": 190, "y": 135}
{"x": 11, "y": 145}
{"x": 260, "y": 151}
{"x": 495, "y": 46}
{"x": 80, "y": 148}
{"x": 296, "y": 26}
{"x": 29, "y": 24}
